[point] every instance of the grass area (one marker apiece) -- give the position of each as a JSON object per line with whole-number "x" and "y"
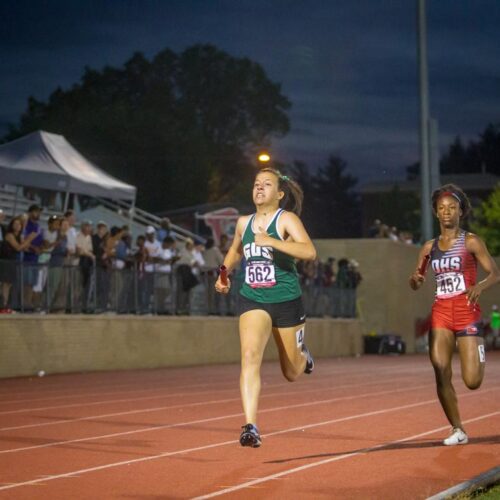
{"x": 491, "y": 493}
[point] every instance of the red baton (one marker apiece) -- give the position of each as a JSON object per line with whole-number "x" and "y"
{"x": 223, "y": 275}
{"x": 423, "y": 267}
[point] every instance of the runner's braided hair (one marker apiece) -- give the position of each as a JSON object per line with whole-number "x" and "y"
{"x": 457, "y": 193}
{"x": 294, "y": 196}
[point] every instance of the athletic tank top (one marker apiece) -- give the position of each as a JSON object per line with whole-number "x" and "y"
{"x": 455, "y": 269}
{"x": 270, "y": 276}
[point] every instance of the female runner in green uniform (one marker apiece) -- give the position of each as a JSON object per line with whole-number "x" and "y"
{"x": 270, "y": 240}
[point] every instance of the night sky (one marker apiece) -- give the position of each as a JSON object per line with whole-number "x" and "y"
{"x": 349, "y": 67}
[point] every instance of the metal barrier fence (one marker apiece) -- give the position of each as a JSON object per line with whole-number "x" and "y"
{"x": 93, "y": 289}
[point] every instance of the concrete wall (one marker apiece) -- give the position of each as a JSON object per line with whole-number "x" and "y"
{"x": 386, "y": 302}
{"x": 62, "y": 343}
{"x": 65, "y": 343}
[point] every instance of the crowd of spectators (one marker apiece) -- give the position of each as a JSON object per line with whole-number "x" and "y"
{"x": 96, "y": 269}
{"x": 329, "y": 288}
{"x": 381, "y": 230}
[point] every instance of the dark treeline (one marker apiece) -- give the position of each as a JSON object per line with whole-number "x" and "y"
{"x": 481, "y": 155}
{"x": 185, "y": 128}
{"x": 180, "y": 127}
{"x": 331, "y": 204}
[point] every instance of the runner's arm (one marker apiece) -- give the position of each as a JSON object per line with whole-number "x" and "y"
{"x": 476, "y": 246}
{"x": 416, "y": 279}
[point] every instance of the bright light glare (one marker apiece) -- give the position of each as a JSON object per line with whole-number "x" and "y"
{"x": 264, "y": 157}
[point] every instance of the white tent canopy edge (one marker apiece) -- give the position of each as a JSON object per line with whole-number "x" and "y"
{"x": 48, "y": 161}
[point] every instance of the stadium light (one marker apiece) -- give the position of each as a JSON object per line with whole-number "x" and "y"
{"x": 264, "y": 157}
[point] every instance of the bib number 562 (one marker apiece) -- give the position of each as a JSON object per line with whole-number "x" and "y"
{"x": 259, "y": 275}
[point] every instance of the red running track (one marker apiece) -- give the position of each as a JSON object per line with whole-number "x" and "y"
{"x": 369, "y": 427}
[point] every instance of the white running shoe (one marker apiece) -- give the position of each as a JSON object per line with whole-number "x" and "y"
{"x": 458, "y": 436}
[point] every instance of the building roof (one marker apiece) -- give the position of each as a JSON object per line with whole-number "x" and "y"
{"x": 476, "y": 182}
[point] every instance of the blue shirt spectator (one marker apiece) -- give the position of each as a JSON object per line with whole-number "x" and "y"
{"x": 32, "y": 226}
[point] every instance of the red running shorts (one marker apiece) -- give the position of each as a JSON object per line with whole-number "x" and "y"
{"x": 454, "y": 314}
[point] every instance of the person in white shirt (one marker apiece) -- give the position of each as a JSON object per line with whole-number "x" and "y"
{"x": 163, "y": 281}
{"x": 50, "y": 241}
{"x": 185, "y": 278}
{"x": 86, "y": 262}
{"x": 153, "y": 247}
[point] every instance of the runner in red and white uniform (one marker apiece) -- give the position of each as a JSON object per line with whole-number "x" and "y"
{"x": 453, "y": 257}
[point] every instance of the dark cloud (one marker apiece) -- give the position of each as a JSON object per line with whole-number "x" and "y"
{"x": 349, "y": 68}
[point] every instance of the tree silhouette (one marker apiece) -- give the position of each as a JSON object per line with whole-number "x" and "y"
{"x": 336, "y": 205}
{"x": 179, "y": 126}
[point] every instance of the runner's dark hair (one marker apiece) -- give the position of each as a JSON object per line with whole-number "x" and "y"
{"x": 457, "y": 193}
{"x": 294, "y": 196}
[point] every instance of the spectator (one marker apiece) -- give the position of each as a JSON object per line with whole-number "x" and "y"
{"x": 140, "y": 259}
{"x": 213, "y": 260}
{"x": 102, "y": 266}
{"x": 163, "y": 282}
{"x": 165, "y": 230}
{"x": 49, "y": 242}
{"x": 185, "y": 278}
{"x": 124, "y": 252}
{"x": 56, "y": 281}
{"x": 224, "y": 244}
{"x": 86, "y": 263}
{"x": 71, "y": 272}
{"x": 374, "y": 230}
{"x": 153, "y": 246}
{"x": 116, "y": 249}
{"x": 10, "y": 254}
{"x": 199, "y": 261}
{"x": 328, "y": 278}
{"x": 406, "y": 237}
{"x": 342, "y": 306}
{"x": 393, "y": 234}
{"x": 71, "y": 234}
{"x": 30, "y": 258}
{"x": 3, "y": 230}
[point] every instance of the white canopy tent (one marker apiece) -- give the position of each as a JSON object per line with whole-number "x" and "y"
{"x": 48, "y": 161}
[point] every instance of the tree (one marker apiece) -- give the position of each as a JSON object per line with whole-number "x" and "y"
{"x": 336, "y": 205}
{"x": 178, "y": 126}
{"x": 475, "y": 157}
{"x": 487, "y": 221}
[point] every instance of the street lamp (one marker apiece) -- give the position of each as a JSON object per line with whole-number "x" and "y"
{"x": 264, "y": 157}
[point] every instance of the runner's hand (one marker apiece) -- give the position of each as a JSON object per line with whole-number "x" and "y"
{"x": 262, "y": 239}
{"x": 224, "y": 289}
{"x": 473, "y": 294}
{"x": 416, "y": 280}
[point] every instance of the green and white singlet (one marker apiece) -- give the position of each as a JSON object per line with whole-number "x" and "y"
{"x": 270, "y": 275}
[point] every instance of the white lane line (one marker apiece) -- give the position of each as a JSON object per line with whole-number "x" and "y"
{"x": 164, "y": 395}
{"x": 182, "y": 424}
{"x": 80, "y": 395}
{"x": 364, "y": 451}
{"x": 225, "y": 443}
{"x": 168, "y": 396}
{"x": 165, "y": 381}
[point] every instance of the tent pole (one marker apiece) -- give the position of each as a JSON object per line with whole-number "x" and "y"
{"x": 66, "y": 201}
{"x": 14, "y": 208}
{"x": 131, "y": 210}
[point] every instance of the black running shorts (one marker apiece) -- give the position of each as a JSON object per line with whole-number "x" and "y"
{"x": 283, "y": 314}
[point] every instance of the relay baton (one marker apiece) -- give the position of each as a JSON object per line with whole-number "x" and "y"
{"x": 223, "y": 275}
{"x": 423, "y": 267}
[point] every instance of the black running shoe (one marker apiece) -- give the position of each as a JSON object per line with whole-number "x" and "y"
{"x": 310, "y": 361}
{"x": 250, "y": 436}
